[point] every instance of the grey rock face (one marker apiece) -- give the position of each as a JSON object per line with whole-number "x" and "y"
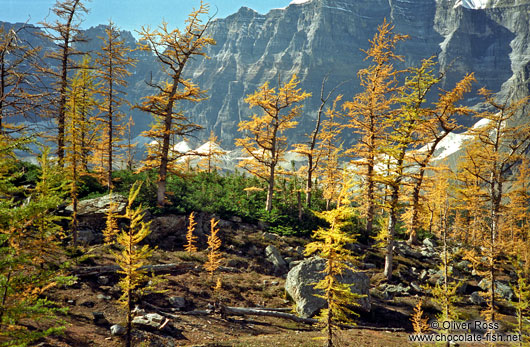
{"x": 325, "y": 37}
{"x": 153, "y": 320}
{"x": 100, "y": 205}
{"x": 502, "y": 289}
{"x": 117, "y": 330}
{"x": 274, "y": 256}
{"x": 476, "y": 298}
{"x": 170, "y": 231}
{"x": 301, "y": 279}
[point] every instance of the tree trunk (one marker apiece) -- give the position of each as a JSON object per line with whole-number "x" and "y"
{"x": 370, "y": 212}
{"x": 392, "y": 220}
{"x": 309, "y": 183}
{"x": 109, "y": 133}
{"x": 129, "y": 319}
{"x": 413, "y": 237}
{"x": 270, "y": 190}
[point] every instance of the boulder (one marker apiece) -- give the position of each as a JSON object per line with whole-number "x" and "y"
{"x": 429, "y": 243}
{"x": 100, "y": 205}
{"x": 117, "y": 330}
{"x": 502, "y": 289}
{"x": 177, "y": 302}
{"x": 274, "y": 256}
{"x": 169, "y": 232}
{"x": 302, "y": 278}
{"x": 149, "y": 320}
{"x": 476, "y": 298}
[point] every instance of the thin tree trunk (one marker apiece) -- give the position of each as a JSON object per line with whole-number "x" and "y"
{"x": 309, "y": 183}
{"x": 392, "y": 220}
{"x": 109, "y": 131}
{"x": 270, "y": 190}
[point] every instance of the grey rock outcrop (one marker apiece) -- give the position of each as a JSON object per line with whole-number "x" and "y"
{"x": 169, "y": 231}
{"x": 301, "y": 279}
{"x": 150, "y": 320}
{"x": 324, "y": 37}
{"x": 274, "y": 256}
{"x": 502, "y": 289}
{"x": 117, "y": 330}
{"x": 98, "y": 207}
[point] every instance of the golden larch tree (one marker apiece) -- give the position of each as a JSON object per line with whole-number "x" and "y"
{"x": 214, "y": 245}
{"x": 212, "y": 154}
{"x": 311, "y": 149}
{"x": 498, "y": 144}
{"x": 132, "y": 257}
{"x": 330, "y": 244}
{"x": 368, "y": 110}
{"x": 264, "y": 139}
{"x": 439, "y": 122}
{"x": 191, "y": 239}
{"x": 173, "y": 49}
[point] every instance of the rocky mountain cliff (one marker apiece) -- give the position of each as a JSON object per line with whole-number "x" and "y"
{"x": 315, "y": 38}
{"x": 325, "y": 37}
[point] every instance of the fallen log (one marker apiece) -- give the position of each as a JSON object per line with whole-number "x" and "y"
{"x": 173, "y": 267}
{"x": 242, "y": 311}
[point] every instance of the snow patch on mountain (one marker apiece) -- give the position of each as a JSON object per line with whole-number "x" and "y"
{"x": 299, "y": 2}
{"x": 452, "y": 143}
{"x": 472, "y": 4}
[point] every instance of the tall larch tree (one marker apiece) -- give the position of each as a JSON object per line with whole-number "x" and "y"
{"x": 497, "y": 146}
{"x": 80, "y": 104}
{"x": 406, "y": 126}
{"x": 439, "y": 122}
{"x": 330, "y": 148}
{"x": 368, "y": 110}
{"x": 173, "y": 50}
{"x": 264, "y": 139}
{"x": 113, "y": 64}
{"x": 64, "y": 31}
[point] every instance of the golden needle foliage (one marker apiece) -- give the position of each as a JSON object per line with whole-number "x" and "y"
{"x": 133, "y": 256}
{"x": 214, "y": 244}
{"x": 173, "y": 49}
{"x": 330, "y": 245}
{"x": 190, "y": 238}
{"x": 419, "y": 323}
{"x": 264, "y": 140}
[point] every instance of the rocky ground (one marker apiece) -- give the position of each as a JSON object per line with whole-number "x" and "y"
{"x": 260, "y": 270}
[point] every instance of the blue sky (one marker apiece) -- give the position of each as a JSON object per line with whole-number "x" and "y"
{"x": 131, "y": 14}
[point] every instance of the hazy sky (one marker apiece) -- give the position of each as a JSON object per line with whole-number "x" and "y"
{"x": 131, "y": 14}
